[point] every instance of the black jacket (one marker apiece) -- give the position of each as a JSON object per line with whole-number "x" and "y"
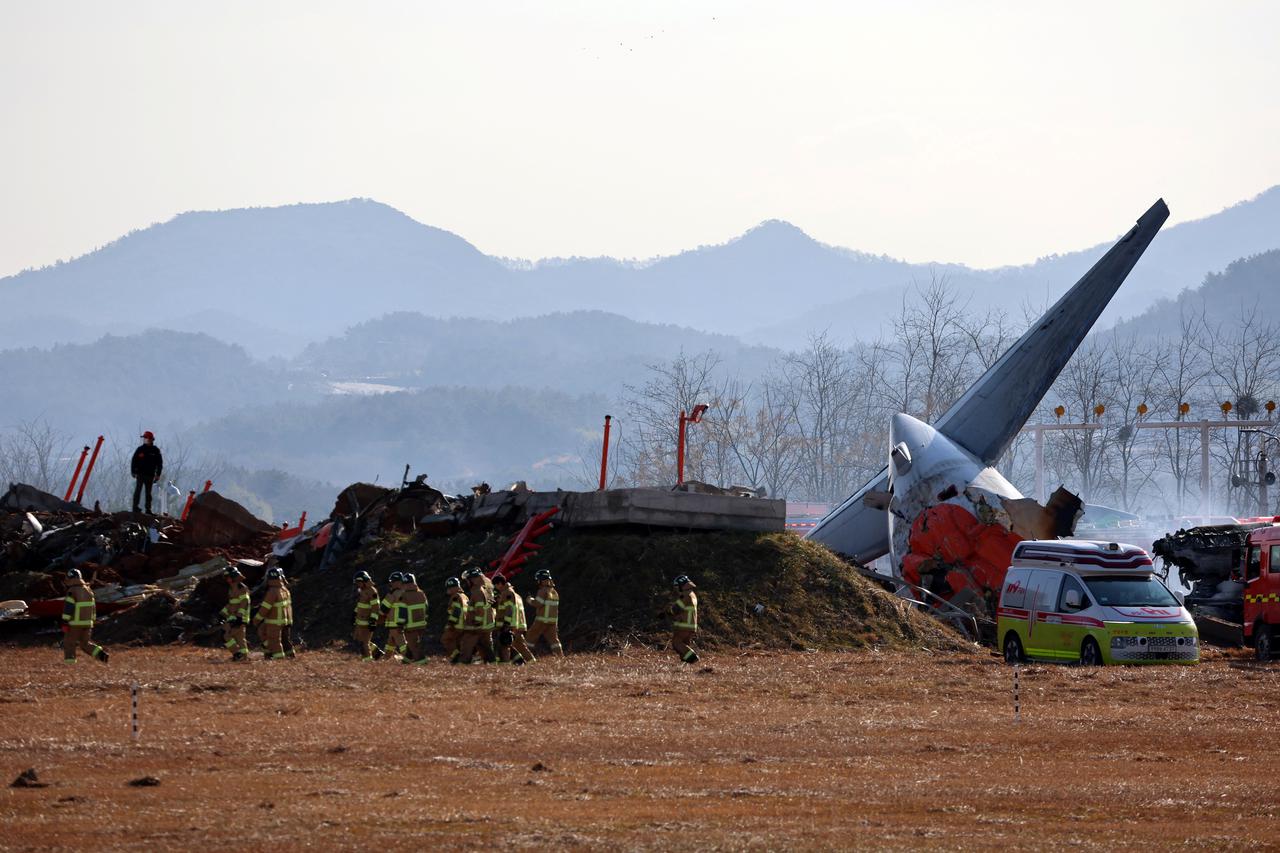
{"x": 147, "y": 462}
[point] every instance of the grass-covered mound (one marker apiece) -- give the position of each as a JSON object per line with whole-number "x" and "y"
{"x": 615, "y": 588}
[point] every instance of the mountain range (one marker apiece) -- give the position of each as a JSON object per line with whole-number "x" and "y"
{"x": 277, "y": 279}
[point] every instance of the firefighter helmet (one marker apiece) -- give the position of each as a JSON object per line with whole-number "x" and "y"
{"x": 452, "y": 583}
{"x": 682, "y": 580}
{"x": 362, "y": 577}
{"x": 74, "y": 575}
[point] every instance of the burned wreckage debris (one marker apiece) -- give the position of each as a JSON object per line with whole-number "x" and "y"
{"x": 143, "y": 570}
{"x": 159, "y": 579}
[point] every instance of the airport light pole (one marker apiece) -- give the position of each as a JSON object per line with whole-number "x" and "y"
{"x": 1204, "y": 426}
{"x": 694, "y": 418}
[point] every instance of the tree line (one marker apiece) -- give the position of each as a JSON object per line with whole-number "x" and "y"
{"x": 814, "y": 427}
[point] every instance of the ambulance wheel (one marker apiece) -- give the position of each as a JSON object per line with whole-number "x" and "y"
{"x": 1263, "y": 643}
{"x": 1090, "y": 654}
{"x": 1013, "y": 649}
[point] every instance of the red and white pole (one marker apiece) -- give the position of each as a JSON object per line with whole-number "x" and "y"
{"x": 76, "y": 476}
{"x": 191, "y": 498}
{"x": 208, "y": 484}
{"x": 604, "y": 453}
{"x": 92, "y": 459}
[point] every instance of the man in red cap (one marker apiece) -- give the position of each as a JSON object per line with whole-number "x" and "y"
{"x": 146, "y": 468}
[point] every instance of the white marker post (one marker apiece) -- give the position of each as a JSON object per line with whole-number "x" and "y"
{"x": 1017, "y": 697}
{"x": 134, "y": 696}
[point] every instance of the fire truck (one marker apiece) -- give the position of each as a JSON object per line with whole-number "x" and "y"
{"x": 1233, "y": 574}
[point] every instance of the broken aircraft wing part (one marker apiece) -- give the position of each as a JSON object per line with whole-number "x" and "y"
{"x": 986, "y": 418}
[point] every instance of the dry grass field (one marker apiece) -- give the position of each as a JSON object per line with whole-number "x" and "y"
{"x": 746, "y": 750}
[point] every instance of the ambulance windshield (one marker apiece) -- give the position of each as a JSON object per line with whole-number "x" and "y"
{"x": 1130, "y": 591}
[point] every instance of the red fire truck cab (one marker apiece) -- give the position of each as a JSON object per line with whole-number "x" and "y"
{"x": 1262, "y": 591}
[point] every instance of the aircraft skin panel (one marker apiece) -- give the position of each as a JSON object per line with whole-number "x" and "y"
{"x": 989, "y": 415}
{"x": 858, "y": 531}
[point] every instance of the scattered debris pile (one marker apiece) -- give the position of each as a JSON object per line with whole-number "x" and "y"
{"x": 143, "y": 568}
{"x": 614, "y": 555}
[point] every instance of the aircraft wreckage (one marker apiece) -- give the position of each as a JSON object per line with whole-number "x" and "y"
{"x": 946, "y": 517}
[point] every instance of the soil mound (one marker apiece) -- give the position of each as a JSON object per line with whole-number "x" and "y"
{"x": 762, "y": 590}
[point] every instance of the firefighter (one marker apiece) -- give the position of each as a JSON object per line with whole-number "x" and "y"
{"x": 478, "y": 632}
{"x": 684, "y": 624}
{"x": 78, "y": 612}
{"x": 511, "y": 624}
{"x": 546, "y": 608}
{"x": 392, "y": 617}
{"x": 286, "y": 630}
{"x": 456, "y": 621}
{"x": 271, "y": 617}
{"x": 235, "y": 615}
{"x": 365, "y": 618}
{"x": 414, "y": 603}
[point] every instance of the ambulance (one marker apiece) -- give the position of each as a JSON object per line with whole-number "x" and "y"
{"x": 1090, "y": 602}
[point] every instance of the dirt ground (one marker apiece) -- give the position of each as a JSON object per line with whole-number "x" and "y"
{"x": 745, "y": 750}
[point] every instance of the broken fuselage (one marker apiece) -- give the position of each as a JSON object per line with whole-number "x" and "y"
{"x": 954, "y": 521}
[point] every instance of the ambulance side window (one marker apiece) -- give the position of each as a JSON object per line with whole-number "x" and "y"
{"x": 1047, "y": 585}
{"x": 1015, "y": 590}
{"x": 1070, "y": 583}
{"x": 1253, "y": 567}
{"x": 1273, "y": 560}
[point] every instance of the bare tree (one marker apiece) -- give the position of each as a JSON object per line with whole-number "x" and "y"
{"x": 1133, "y": 382}
{"x": 36, "y": 454}
{"x": 823, "y": 382}
{"x": 1086, "y": 382}
{"x": 652, "y": 411}
{"x": 1178, "y": 367}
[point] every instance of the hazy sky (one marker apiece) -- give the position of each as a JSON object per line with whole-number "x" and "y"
{"x": 986, "y": 133}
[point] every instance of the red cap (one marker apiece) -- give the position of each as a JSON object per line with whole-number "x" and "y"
{"x": 149, "y": 434}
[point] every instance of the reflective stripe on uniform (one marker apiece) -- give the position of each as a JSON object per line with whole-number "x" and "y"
{"x": 548, "y": 609}
{"x": 481, "y": 616}
{"x": 415, "y": 616}
{"x": 78, "y": 614}
{"x": 275, "y": 612}
{"x": 238, "y": 606}
{"x": 511, "y": 614}
{"x": 690, "y": 620}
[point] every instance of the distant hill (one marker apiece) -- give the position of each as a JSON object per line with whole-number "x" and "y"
{"x": 1179, "y": 258}
{"x": 1246, "y": 287}
{"x": 300, "y": 272}
{"x": 272, "y": 279}
{"x": 158, "y": 380}
{"x": 456, "y": 435}
{"x": 578, "y": 352}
